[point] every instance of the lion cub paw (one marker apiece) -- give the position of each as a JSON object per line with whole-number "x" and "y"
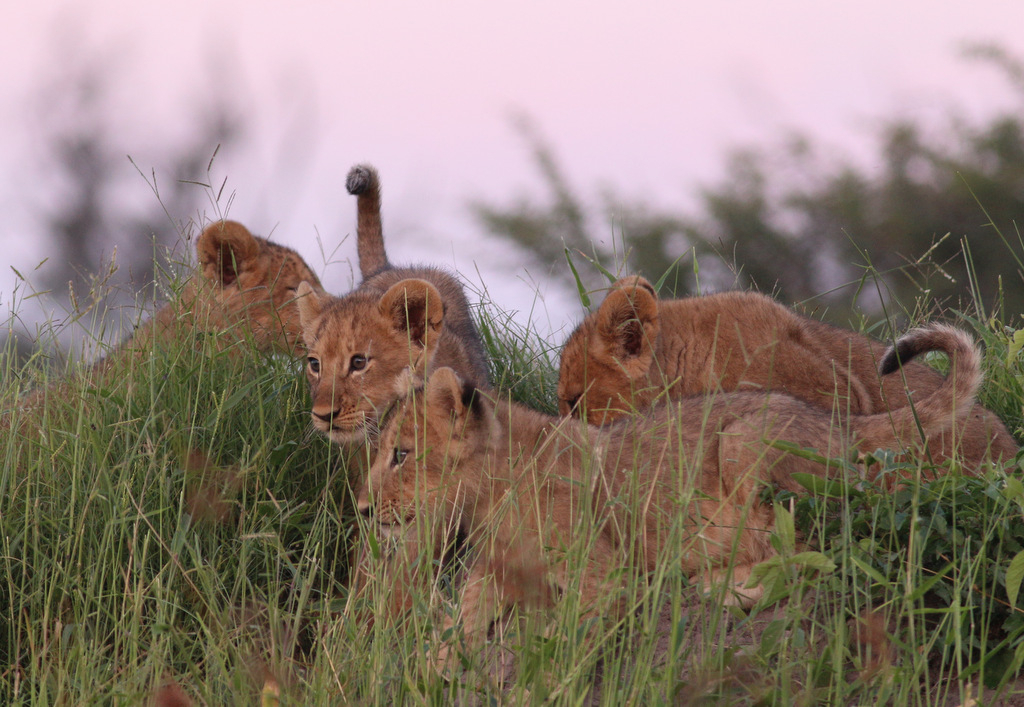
{"x": 737, "y": 593}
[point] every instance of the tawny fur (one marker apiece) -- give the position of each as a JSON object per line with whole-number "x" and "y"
{"x": 432, "y": 328}
{"x": 363, "y": 182}
{"x": 244, "y": 289}
{"x": 522, "y": 484}
{"x": 637, "y": 349}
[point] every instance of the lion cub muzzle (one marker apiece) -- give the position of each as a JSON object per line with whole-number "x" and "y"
{"x": 327, "y": 418}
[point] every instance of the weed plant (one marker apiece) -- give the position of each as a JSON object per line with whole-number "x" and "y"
{"x": 174, "y": 527}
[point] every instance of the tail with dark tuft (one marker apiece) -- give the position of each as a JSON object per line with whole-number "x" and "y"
{"x": 361, "y": 179}
{"x": 955, "y": 397}
{"x": 904, "y": 350}
{"x": 363, "y": 183}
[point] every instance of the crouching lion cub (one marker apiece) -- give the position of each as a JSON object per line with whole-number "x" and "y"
{"x": 247, "y": 289}
{"x": 398, "y": 318}
{"x": 522, "y": 486}
{"x": 244, "y": 289}
{"x": 636, "y": 349}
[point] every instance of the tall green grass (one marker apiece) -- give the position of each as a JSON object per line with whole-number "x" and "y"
{"x": 177, "y": 523}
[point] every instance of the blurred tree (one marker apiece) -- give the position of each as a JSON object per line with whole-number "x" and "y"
{"x": 545, "y": 231}
{"x": 91, "y": 209}
{"x": 937, "y": 220}
{"x": 91, "y": 217}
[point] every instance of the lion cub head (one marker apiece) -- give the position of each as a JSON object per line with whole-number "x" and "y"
{"x": 362, "y": 348}
{"x": 606, "y": 361}
{"x": 250, "y": 281}
{"x": 430, "y": 460}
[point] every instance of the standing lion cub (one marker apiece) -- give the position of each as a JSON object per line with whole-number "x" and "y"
{"x": 683, "y": 480}
{"x": 637, "y": 349}
{"x": 398, "y": 318}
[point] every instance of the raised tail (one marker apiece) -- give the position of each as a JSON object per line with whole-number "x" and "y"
{"x": 363, "y": 183}
{"x": 950, "y": 402}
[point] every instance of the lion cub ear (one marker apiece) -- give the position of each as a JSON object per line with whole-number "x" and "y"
{"x": 634, "y": 282}
{"x": 627, "y": 324}
{"x": 448, "y": 394}
{"x": 226, "y": 249}
{"x": 415, "y": 307}
{"x": 310, "y": 306}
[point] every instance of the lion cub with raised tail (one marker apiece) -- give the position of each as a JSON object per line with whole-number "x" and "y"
{"x": 682, "y": 481}
{"x": 398, "y": 318}
{"x": 636, "y": 349}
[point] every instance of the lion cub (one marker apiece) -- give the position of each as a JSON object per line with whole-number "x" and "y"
{"x": 244, "y": 288}
{"x": 359, "y": 345}
{"x": 636, "y": 349}
{"x": 682, "y": 480}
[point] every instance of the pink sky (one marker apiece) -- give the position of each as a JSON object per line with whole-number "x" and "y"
{"x": 646, "y": 98}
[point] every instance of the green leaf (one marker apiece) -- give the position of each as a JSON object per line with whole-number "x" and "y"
{"x": 611, "y": 277}
{"x": 584, "y": 297}
{"x": 1014, "y": 489}
{"x": 869, "y": 570}
{"x": 243, "y": 393}
{"x": 926, "y": 585}
{"x": 813, "y": 560}
{"x": 1016, "y": 344}
{"x": 668, "y": 271}
{"x": 832, "y": 488}
{"x": 371, "y": 539}
{"x": 279, "y": 453}
{"x": 785, "y": 528}
{"x": 762, "y": 570}
{"x": 1014, "y": 577}
{"x": 804, "y": 453}
{"x": 772, "y": 635}
{"x": 603, "y": 270}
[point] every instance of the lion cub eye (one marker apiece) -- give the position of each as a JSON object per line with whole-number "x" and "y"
{"x": 398, "y": 458}
{"x": 314, "y": 364}
{"x": 357, "y": 363}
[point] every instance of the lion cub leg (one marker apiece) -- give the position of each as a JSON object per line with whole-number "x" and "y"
{"x": 737, "y": 593}
{"x": 736, "y": 526}
{"x": 504, "y": 578}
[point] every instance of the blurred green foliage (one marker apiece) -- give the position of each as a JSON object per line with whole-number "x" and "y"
{"x": 787, "y": 220}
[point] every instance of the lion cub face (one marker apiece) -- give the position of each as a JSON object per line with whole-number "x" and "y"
{"x": 251, "y": 281}
{"x": 431, "y": 456}
{"x": 358, "y": 348}
{"x": 606, "y": 361}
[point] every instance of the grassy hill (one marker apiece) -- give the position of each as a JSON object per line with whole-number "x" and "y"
{"x": 173, "y": 531}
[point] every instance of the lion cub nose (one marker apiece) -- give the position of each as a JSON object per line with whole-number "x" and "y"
{"x": 327, "y": 417}
{"x": 363, "y": 504}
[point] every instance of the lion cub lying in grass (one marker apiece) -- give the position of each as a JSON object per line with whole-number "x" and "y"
{"x": 682, "y": 480}
{"x": 359, "y": 345}
{"x": 636, "y": 349}
{"x": 244, "y": 288}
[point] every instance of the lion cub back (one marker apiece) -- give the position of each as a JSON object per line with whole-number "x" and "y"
{"x": 636, "y": 349}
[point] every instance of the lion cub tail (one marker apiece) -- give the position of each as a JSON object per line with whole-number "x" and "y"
{"x": 363, "y": 183}
{"x": 951, "y": 401}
